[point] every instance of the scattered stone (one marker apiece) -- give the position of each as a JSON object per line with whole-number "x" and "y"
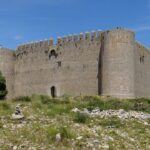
{"x": 32, "y": 148}
{"x": 14, "y": 147}
{"x": 122, "y": 114}
{"x": 79, "y": 138}
{"x": 17, "y": 115}
{"x": 75, "y": 110}
{"x": 76, "y": 125}
{"x": 86, "y": 111}
{"x": 105, "y": 146}
{"x": 58, "y": 137}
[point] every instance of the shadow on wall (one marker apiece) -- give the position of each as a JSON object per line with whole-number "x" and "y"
{"x": 100, "y": 65}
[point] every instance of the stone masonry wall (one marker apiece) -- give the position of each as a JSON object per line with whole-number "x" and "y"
{"x": 105, "y": 63}
{"x": 71, "y": 66}
{"x": 117, "y": 63}
{"x": 142, "y": 71}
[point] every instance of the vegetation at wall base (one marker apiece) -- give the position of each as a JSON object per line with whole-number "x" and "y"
{"x": 3, "y": 90}
{"x": 50, "y": 123}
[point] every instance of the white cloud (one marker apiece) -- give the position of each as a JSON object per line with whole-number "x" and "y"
{"x": 18, "y": 37}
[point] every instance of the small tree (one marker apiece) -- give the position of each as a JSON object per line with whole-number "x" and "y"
{"x": 3, "y": 89}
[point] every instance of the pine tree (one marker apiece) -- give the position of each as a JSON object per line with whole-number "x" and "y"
{"x": 3, "y": 89}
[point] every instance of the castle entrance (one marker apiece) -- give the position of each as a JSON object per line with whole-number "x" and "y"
{"x": 53, "y": 91}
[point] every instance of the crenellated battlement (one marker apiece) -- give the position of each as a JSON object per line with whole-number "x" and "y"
{"x": 107, "y": 62}
{"x": 6, "y": 50}
{"x": 138, "y": 44}
{"x": 69, "y": 40}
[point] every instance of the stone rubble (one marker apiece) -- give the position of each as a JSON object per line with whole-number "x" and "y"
{"x": 58, "y": 137}
{"x": 122, "y": 114}
{"x": 17, "y": 115}
{"x": 86, "y": 141}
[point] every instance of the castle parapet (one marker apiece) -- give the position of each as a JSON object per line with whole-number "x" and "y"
{"x": 70, "y": 40}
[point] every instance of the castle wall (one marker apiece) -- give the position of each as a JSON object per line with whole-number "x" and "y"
{"x": 117, "y": 63}
{"x": 104, "y": 63}
{"x": 71, "y": 66}
{"x": 7, "y": 60}
{"x": 142, "y": 71}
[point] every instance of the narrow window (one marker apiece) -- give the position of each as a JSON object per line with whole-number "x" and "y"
{"x": 53, "y": 91}
{"x": 52, "y": 54}
{"x": 142, "y": 59}
{"x": 59, "y": 63}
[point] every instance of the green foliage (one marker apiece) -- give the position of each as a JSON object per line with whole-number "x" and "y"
{"x": 46, "y": 117}
{"x": 22, "y": 99}
{"x": 66, "y": 99}
{"x": 80, "y": 117}
{"x": 5, "y": 108}
{"x": 113, "y": 122}
{"x": 3, "y": 90}
{"x": 44, "y": 99}
{"x": 51, "y": 133}
{"x": 64, "y": 132}
{"x": 1, "y": 125}
{"x": 58, "y": 109}
{"x": 104, "y": 103}
{"x": 4, "y": 105}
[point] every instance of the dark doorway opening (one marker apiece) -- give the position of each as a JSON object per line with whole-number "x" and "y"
{"x": 53, "y": 54}
{"x": 53, "y": 91}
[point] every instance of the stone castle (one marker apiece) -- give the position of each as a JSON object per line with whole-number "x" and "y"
{"x": 107, "y": 63}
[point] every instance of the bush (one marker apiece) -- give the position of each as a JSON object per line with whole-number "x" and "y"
{"x": 51, "y": 133}
{"x": 113, "y": 122}
{"x": 5, "y": 106}
{"x": 44, "y": 99}
{"x": 80, "y": 117}
{"x": 1, "y": 125}
{"x": 3, "y": 89}
{"x": 66, "y": 99}
{"x": 65, "y": 133}
{"x": 22, "y": 99}
{"x": 58, "y": 109}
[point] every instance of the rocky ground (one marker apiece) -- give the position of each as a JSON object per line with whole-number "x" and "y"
{"x": 90, "y": 123}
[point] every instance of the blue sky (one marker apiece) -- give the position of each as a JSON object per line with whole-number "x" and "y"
{"x": 22, "y": 21}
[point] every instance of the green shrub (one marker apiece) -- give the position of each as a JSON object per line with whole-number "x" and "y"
{"x": 112, "y": 104}
{"x": 1, "y": 125}
{"x": 113, "y": 122}
{"x": 37, "y": 104}
{"x": 66, "y": 99}
{"x": 65, "y": 133}
{"x": 58, "y": 109}
{"x": 51, "y": 133}
{"x": 80, "y": 117}
{"x": 90, "y": 102}
{"x": 44, "y": 99}
{"x": 139, "y": 106}
{"x": 5, "y": 106}
{"x": 3, "y": 89}
{"x": 22, "y": 99}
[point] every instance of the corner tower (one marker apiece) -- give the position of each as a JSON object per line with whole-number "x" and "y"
{"x": 7, "y": 60}
{"x": 117, "y": 63}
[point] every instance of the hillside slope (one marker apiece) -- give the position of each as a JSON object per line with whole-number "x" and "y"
{"x": 90, "y": 123}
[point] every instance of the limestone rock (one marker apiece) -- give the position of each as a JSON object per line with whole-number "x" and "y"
{"x": 58, "y": 137}
{"x": 17, "y": 115}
